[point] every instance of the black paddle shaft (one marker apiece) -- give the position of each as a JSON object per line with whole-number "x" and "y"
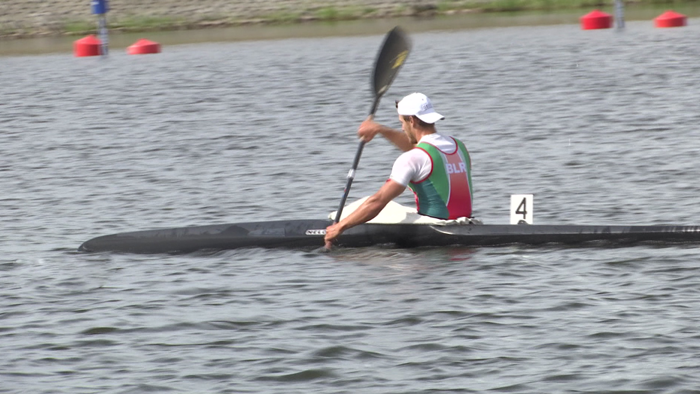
{"x": 391, "y": 57}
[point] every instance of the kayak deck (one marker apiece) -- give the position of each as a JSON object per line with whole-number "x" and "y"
{"x": 310, "y": 233}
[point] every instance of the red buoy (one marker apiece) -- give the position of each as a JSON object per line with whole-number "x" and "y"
{"x": 87, "y": 46}
{"x": 596, "y": 19}
{"x": 142, "y": 47}
{"x": 670, "y": 19}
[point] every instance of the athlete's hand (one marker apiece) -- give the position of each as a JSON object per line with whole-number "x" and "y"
{"x": 368, "y": 129}
{"x": 332, "y": 233}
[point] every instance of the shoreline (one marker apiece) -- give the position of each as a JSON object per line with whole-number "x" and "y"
{"x": 64, "y": 18}
{"x": 166, "y": 24}
{"x": 38, "y": 18}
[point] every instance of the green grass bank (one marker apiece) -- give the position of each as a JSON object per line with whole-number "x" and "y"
{"x": 34, "y": 18}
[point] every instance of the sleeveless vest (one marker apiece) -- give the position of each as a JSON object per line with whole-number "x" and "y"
{"x": 447, "y": 192}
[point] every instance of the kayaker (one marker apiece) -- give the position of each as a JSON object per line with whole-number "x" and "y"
{"x": 436, "y": 167}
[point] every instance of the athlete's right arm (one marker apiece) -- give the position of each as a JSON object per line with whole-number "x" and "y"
{"x": 365, "y": 212}
{"x": 369, "y": 128}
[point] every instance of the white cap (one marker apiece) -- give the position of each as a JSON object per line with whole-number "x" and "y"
{"x": 418, "y": 104}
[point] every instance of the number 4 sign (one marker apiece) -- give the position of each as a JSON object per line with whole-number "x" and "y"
{"x": 521, "y": 208}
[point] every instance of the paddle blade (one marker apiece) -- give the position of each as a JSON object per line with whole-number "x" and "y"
{"x": 389, "y": 61}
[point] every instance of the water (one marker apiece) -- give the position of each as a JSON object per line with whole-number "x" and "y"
{"x": 600, "y": 126}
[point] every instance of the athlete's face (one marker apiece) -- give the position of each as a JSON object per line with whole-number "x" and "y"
{"x": 407, "y": 128}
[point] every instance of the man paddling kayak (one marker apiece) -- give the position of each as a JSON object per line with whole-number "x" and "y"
{"x": 436, "y": 167}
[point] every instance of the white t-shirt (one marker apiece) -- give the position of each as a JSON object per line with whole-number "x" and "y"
{"x": 415, "y": 165}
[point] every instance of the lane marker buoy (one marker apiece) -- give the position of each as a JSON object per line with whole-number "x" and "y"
{"x": 143, "y": 47}
{"x": 670, "y": 19}
{"x": 87, "y": 46}
{"x": 596, "y": 19}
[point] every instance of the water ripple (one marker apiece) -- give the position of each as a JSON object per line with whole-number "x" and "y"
{"x": 600, "y": 126}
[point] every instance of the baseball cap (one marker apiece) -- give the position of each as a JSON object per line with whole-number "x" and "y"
{"x": 419, "y": 105}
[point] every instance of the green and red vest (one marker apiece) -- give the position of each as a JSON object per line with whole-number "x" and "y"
{"x": 447, "y": 192}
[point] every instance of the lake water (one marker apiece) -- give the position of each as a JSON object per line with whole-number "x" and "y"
{"x": 601, "y": 126}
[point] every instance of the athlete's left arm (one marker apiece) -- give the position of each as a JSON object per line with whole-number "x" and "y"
{"x": 367, "y": 211}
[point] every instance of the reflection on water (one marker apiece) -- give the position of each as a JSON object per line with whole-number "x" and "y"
{"x": 410, "y": 259}
{"x": 347, "y": 28}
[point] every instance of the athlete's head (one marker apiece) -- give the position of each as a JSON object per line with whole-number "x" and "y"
{"x": 418, "y": 105}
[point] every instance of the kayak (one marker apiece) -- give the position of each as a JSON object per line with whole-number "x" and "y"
{"x": 310, "y": 233}
{"x": 395, "y": 225}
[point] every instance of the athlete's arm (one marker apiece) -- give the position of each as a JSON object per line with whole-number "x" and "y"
{"x": 367, "y": 211}
{"x": 369, "y": 128}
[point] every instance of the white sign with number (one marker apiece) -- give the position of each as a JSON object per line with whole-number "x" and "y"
{"x": 521, "y": 208}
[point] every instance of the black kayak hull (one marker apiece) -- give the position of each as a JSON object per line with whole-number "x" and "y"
{"x": 310, "y": 233}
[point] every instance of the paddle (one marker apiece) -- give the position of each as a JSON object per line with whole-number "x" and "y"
{"x": 390, "y": 58}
